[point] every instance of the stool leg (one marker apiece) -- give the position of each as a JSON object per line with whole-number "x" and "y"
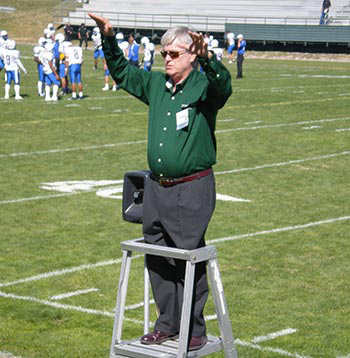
{"x": 186, "y": 310}
{"x": 146, "y": 296}
{"x": 221, "y": 309}
{"x": 121, "y": 296}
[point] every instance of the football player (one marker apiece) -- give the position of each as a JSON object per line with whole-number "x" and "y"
{"x": 51, "y": 75}
{"x": 148, "y": 53}
{"x": 12, "y": 62}
{"x": 37, "y": 50}
{"x": 63, "y": 71}
{"x": 3, "y": 42}
{"x": 97, "y": 45}
{"x": 74, "y": 61}
{"x": 217, "y": 50}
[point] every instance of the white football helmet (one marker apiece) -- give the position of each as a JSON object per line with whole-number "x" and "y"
{"x": 145, "y": 40}
{"x": 119, "y": 36}
{"x": 42, "y": 41}
{"x": 50, "y": 27}
{"x": 11, "y": 44}
{"x": 4, "y": 34}
{"x": 240, "y": 36}
{"x": 59, "y": 37}
{"x": 47, "y": 33}
{"x": 96, "y": 30}
{"x": 215, "y": 43}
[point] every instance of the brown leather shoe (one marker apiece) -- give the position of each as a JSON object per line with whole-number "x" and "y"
{"x": 157, "y": 337}
{"x": 197, "y": 342}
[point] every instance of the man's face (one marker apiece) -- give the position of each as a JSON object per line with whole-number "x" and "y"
{"x": 178, "y": 61}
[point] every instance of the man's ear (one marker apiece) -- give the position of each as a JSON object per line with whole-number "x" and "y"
{"x": 193, "y": 58}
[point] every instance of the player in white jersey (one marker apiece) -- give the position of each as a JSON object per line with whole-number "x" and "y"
{"x": 217, "y": 50}
{"x": 124, "y": 46}
{"x": 37, "y": 50}
{"x": 51, "y": 75}
{"x": 97, "y": 45}
{"x": 3, "y": 45}
{"x": 12, "y": 62}
{"x": 74, "y": 62}
{"x": 148, "y": 53}
{"x": 230, "y": 38}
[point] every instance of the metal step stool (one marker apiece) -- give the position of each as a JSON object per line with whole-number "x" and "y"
{"x": 172, "y": 348}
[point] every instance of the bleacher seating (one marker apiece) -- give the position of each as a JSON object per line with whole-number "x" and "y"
{"x": 207, "y": 15}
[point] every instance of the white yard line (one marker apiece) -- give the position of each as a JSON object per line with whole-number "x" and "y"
{"x": 277, "y": 230}
{"x": 216, "y": 241}
{"x": 7, "y": 355}
{"x": 238, "y": 170}
{"x": 273, "y": 335}
{"x": 62, "y": 296}
{"x": 112, "y": 145}
{"x": 64, "y": 271}
{"x": 272, "y": 165}
{"x": 269, "y": 349}
{"x": 53, "y": 151}
{"x": 279, "y": 125}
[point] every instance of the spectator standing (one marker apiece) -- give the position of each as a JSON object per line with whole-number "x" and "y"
{"x": 326, "y": 4}
{"x": 68, "y": 32}
{"x": 83, "y": 35}
{"x": 241, "y": 45}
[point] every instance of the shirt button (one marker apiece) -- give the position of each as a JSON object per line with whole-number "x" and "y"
{"x": 172, "y": 98}
{"x": 217, "y": 75}
{"x": 181, "y": 91}
{"x": 165, "y": 128}
{"x": 159, "y": 160}
{"x": 168, "y": 113}
{"x": 161, "y": 174}
{"x": 161, "y": 144}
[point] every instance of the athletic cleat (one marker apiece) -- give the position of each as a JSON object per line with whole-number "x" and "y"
{"x": 18, "y": 97}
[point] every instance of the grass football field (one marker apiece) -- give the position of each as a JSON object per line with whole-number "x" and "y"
{"x": 281, "y": 225}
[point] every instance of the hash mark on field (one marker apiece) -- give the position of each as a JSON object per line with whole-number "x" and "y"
{"x": 71, "y": 294}
{"x": 274, "y": 335}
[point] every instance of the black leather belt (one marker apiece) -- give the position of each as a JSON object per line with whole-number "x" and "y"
{"x": 174, "y": 181}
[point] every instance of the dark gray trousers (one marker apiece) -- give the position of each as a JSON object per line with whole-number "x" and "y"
{"x": 177, "y": 216}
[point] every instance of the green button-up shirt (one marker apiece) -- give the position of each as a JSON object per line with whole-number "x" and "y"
{"x": 174, "y": 151}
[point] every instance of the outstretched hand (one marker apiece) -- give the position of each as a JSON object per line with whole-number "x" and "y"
{"x": 198, "y": 47}
{"x": 104, "y": 25}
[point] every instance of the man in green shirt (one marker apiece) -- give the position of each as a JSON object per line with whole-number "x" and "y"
{"x": 180, "y": 198}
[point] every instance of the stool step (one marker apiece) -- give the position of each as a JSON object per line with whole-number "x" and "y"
{"x": 168, "y": 349}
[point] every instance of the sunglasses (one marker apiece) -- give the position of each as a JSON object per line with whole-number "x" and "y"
{"x": 172, "y": 54}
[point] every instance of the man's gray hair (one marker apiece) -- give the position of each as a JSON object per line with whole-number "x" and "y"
{"x": 178, "y": 33}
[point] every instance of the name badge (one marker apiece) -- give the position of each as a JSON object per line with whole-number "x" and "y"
{"x": 182, "y": 119}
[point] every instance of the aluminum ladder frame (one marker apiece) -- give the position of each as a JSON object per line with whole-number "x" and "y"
{"x": 172, "y": 348}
